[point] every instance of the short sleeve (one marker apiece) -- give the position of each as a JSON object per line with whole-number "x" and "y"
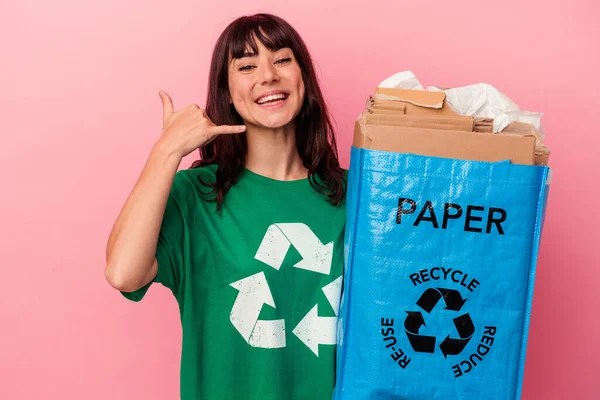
{"x": 169, "y": 248}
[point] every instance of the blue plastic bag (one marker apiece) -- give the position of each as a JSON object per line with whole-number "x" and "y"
{"x": 440, "y": 259}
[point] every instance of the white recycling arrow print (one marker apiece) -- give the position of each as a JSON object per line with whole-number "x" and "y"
{"x": 314, "y": 330}
{"x": 316, "y": 256}
{"x": 333, "y": 292}
{"x": 253, "y": 293}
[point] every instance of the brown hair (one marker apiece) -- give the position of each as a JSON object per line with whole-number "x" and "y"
{"x": 315, "y": 138}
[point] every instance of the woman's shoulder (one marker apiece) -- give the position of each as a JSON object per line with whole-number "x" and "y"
{"x": 205, "y": 172}
{"x": 188, "y": 181}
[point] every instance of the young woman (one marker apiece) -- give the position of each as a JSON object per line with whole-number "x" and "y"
{"x": 250, "y": 239}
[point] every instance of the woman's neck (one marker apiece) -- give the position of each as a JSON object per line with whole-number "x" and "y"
{"x": 273, "y": 153}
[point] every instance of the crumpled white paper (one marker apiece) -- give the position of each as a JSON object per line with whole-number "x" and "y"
{"x": 402, "y": 80}
{"x": 478, "y": 100}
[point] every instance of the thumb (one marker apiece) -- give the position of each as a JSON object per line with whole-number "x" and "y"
{"x": 167, "y": 104}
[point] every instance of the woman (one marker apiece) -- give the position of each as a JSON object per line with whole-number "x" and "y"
{"x": 249, "y": 239}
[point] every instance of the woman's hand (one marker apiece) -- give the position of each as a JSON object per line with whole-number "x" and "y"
{"x": 190, "y": 128}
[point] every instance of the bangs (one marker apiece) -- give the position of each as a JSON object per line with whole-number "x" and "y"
{"x": 272, "y": 35}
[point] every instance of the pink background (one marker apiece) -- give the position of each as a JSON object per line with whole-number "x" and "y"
{"x": 80, "y": 113}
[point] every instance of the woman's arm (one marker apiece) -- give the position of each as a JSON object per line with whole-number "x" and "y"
{"x": 131, "y": 249}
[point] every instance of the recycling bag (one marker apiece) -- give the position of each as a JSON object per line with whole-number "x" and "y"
{"x": 440, "y": 259}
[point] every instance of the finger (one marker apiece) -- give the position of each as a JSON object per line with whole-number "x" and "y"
{"x": 167, "y": 104}
{"x": 210, "y": 139}
{"x": 226, "y": 129}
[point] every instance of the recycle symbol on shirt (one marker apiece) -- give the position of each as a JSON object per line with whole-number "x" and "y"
{"x": 254, "y": 291}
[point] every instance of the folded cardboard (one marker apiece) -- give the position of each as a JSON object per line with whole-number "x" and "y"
{"x": 377, "y": 108}
{"x": 475, "y": 100}
{"x": 389, "y": 105}
{"x": 519, "y": 149}
{"x": 449, "y": 122}
{"x": 421, "y": 110}
{"x": 419, "y": 98}
{"x": 414, "y": 102}
{"x": 542, "y": 152}
{"x": 482, "y": 124}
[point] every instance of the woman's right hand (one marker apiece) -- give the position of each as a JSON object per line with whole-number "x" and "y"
{"x": 190, "y": 128}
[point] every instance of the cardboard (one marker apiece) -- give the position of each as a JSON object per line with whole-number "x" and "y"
{"x": 519, "y": 149}
{"x": 483, "y": 125}
{"x": 421, "y": 122}
{"x": 385, "y": 109}
{"x": 387, "y": 105}
{"x": 450, "y": 122}
{"x": 521, "y": 128}
{"x": 420, "y": 98}
{"x": 412, "y": 109}
{"x": 541, "y": 157}
{"x": 542, "y": 153}
{"x": 413, "y": 102}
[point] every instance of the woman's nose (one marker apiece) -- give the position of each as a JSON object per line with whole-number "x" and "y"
{"x": 269, "y": 73}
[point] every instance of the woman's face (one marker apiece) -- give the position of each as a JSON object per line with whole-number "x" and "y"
{"x": 266, "y": 89}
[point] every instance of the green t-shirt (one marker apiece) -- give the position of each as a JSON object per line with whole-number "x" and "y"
{"x": 258, "y": 287}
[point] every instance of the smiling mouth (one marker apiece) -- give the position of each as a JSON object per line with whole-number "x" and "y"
{"x": 272, "y": 99}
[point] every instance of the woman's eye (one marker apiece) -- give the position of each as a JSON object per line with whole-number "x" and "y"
{"x": 284, "y": 60}
{"x": 246, "y": 67}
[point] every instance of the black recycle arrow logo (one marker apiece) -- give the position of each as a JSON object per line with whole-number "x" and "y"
{"x": 464, "y": 327}
{"x": 421, "y": 343}
{"x": 427, "y": 302}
